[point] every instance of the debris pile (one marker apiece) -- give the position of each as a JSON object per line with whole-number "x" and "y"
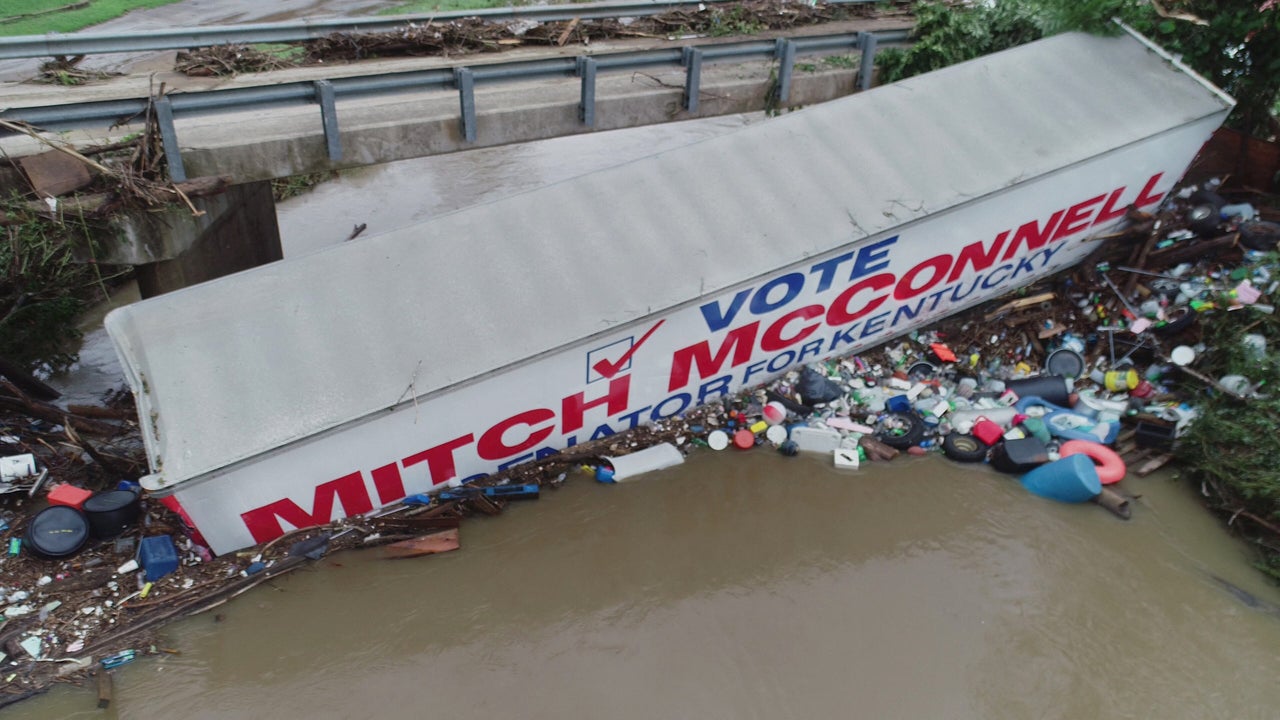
{"x": 1067, "y": 385}
{"x": 478, "y": 35}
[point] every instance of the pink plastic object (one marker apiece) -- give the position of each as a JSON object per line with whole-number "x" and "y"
{"x": 987, "y": 431}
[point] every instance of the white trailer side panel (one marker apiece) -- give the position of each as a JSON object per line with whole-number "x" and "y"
{"x": 342, "y": 380}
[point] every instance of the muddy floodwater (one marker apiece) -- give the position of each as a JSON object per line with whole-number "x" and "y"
{"x": 749, "y": 585}
{"x": 739, "y": 585}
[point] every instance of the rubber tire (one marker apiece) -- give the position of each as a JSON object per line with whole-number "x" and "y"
{"x": 1260, "y": 235}
{"x": 1204, "y": 220}
{"x": 1178, "y": 324}
{"x": 963, "y": 447}
{"x": 912, "y": 436}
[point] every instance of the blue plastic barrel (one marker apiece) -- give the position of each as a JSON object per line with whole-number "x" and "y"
{"x": 1073, "y": 479}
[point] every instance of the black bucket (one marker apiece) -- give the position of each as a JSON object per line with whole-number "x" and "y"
{"x": 1051, "y": 388}
{"x": 57, "y": 531}
{"x": 112, "y": 512}
{"x": 1065, "y": 362}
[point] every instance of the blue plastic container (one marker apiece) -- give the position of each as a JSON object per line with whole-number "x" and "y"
{"x": 1073, "y": 479}
{"x": 898, "y": 403}
{"x": 159, "y": 557}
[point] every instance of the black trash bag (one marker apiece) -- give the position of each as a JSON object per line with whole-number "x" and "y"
{"x": 814, "y": 387}
{"x": 313, "y": 548}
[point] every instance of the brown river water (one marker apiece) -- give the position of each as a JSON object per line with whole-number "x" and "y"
{"x": 749, "y": 585}
{"x": 739, "y": 585}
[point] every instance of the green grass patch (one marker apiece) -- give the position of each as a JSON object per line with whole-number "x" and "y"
{"x": 288, "y": 53}
{"x": 52, "y": 19}
{"x": 736, "y": 21}
{"x": 295, "y": 185}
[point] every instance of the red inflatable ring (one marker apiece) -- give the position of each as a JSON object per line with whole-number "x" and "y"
{"x": 1110, "y": 467}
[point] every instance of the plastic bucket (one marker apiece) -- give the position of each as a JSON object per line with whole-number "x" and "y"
{"x": 57, "y": 531}
{"x": 111, "y": 513}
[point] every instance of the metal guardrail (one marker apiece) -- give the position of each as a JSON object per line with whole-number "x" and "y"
{"x": 463, "y": 78}
{"x": 55, "y": 44}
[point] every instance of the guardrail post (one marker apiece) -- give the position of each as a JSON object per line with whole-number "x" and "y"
{"x": 786, "y": 54}
{"x": 693, "y": 78}
{"x": 466, "y": 82}
{"x": 867, "y": 66}
{"x": 169, "y": 138}
{"x": 329, "y": 117}
{"x": 587, "y": 106}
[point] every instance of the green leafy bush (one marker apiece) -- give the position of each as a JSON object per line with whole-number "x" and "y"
{"x": 42, "y": 292}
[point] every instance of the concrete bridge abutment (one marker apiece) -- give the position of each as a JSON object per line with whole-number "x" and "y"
{"x": 173, "y": 248}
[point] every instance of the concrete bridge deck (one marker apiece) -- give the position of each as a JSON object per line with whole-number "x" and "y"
{"x": 237, "y": 229}
{"x": 252, "y": 146}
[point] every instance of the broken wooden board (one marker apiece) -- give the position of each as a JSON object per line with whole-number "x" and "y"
{"x": 1019, "y": 304}
{"x": 54, "y": 173}
{"x": 439, "y": 542}
{"x": 1153, "y": 465}
{"x": 418, "y": 524}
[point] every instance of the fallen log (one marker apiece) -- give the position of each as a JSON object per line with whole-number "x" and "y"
{"x": 105, "y": 689}
{"x": 101, "y": 413}
{"x": 58, "y": 416}
{"x": 27, "y": 382}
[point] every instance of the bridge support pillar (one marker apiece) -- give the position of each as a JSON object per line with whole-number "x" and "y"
{"x": 173, "y": 249}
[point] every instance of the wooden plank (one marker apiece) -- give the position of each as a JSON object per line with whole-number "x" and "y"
{"x": 1019, "y": 304}
{"x": 443, "y": 541}
{"x": 564, "y": 36}
{"x": 53, "y": 173}
{"x": 1153, "y": 465}
{"x": 420, "y": 524}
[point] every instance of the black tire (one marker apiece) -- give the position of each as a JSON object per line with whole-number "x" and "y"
{"x": 900, "y": 430}
{"x": 1260, "y": 235}
{"x": 1180, "y": 319}
{"x": 1204, "y": 220}
{"x": 963, "y": 447}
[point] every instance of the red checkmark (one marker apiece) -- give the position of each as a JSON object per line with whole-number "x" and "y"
{"x": 609, "y": 369}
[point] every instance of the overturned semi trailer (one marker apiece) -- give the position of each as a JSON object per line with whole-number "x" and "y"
{"x": 338, "y": 382}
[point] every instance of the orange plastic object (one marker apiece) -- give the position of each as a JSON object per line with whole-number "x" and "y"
{"x": 943, "y": 352}
{"x": 64, "y": 494}
{"x": 1111, "y": 468}
{"x": 744, "y": 439}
